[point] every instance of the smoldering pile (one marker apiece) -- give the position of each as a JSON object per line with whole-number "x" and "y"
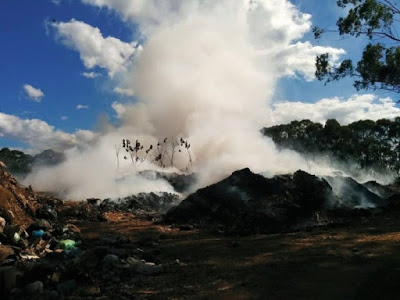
{"x": 41, "y": 243}
{"x": 250, "y": 203}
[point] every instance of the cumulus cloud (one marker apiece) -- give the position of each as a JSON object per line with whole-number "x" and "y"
{"x": 64, "y": 118}
{"x": 299, "y": 58}
{"x": 124, "y": 91}
{"x": 39, "y": 134}
{"x": 119, "y": 109}
{"x": 345, "y": 111}
{"x": 274, "y": 27}
{"x": 33, "y": 93}
{"x": 91, "y": 74}
{"x": 81, "y": 106}
{"x": 95, "y": 50}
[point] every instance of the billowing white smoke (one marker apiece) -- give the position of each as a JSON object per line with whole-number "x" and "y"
{"x": 206, "y": 73}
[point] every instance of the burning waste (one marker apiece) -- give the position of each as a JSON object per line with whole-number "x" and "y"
{"x": 187, "y": 156}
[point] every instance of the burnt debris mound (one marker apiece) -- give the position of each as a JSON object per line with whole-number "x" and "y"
{"x": 251, "y": 202}
{"x": 348, "y": 193}
{"x": 141, "y": 203}
{"x": 247, "y": 203}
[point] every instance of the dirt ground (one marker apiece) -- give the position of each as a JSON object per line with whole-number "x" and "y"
{"x": 359, "y": 260}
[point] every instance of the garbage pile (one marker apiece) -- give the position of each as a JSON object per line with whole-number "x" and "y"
{"x": 43, "y": 255}
{"x": 140, "y": 203}
{"x": 250, "y": 203}
{"x": 17, "y": 203}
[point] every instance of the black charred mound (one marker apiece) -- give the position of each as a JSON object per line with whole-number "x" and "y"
{"x": 247, "y": 202}
{"x": 350, "y": 193}
{"x": 142, "y": 202}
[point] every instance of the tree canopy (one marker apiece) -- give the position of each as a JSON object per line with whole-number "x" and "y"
{"x": 367, "y": 145}
{"x": 379, "y": 66}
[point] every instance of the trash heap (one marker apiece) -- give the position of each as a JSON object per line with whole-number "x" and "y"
{"x": 246, "y": 203}
{"x": 43, "y": 255}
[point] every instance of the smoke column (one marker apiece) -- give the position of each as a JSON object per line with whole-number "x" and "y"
{"x": 206, "y": 73}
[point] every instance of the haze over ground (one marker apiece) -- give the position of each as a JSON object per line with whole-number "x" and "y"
{"x": 213, "y": 72}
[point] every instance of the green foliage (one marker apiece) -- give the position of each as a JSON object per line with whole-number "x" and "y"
{"x": 368, "y": 144}
{"x": 20, "y": 164}
{"x": 17, "y": 162}
{"x": 379, "y": 66}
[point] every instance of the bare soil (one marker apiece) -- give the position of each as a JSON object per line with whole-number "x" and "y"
{"x": 358, "y": 260}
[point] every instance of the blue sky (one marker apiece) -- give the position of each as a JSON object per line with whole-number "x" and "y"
{"x": 31, "y": 53}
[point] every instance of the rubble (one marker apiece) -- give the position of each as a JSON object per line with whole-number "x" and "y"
{"x": 17, "y": 203}
{"x": 248, "y": 202}
{"x": 44, "y": 254}
{"x": 350, "y": 193}
{"x": 142, "y": 202}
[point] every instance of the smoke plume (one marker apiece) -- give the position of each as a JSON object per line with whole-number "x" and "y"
{"x": 206, "y": 73}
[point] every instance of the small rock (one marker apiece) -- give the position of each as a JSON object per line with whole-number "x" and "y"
{"x": 110, "y": 260}
{"x": 33, "y": 289}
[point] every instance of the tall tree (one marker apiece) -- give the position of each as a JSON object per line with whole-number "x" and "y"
{"x": 379, "y": 67}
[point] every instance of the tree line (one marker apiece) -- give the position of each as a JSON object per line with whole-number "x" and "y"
{"x": 367, "y": 145}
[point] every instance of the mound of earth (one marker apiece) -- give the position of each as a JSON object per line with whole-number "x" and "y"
{"x": 17, "y": 203}
{"x": 250, "y": 202}
{"x": 349, "y": 193}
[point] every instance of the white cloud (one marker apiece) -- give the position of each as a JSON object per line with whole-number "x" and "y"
{"x": 274, "y": 27}
{"x": 119, "y": 109}
{"x": 90, "y": 74}
{"x": 33, "y": 93}
{"x": 39, "y": 134}
{"x": 64, "y": 118}
{"x": 81, "y": 106}
{"x": 56, "y": 2}
{"x": 345, "y": 111}
{"x": 299, "y": 58}
{"x": 124, "y": 91}
{"x": 95, "y": 50}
